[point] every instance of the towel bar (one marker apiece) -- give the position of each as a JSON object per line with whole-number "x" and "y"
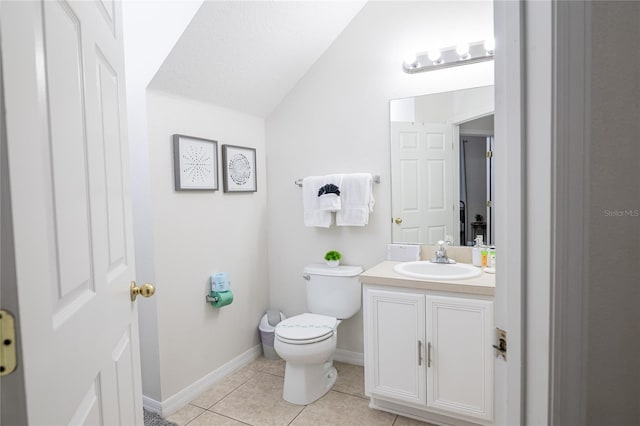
{"x": 376, "y": 179}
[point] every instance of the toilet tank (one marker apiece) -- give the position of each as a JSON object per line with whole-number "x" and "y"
{"x": 333, "y": 291}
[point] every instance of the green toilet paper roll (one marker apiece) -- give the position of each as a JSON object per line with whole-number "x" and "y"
{"x": 224, "y": 298}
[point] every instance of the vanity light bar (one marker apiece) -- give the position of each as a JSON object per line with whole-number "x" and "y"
{"x": 463, "y": 54}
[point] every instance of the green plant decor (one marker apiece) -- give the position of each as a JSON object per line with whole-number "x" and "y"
{"x": 332, "y": 255}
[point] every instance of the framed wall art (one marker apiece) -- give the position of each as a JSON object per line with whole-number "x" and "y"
{"x": 195, "y": 163}
{"x": 239, "y": 169}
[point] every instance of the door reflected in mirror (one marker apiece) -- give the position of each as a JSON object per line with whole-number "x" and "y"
{"x": 442, "y": 167}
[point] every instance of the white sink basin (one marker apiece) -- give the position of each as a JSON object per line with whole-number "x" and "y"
{"x": 437, "y": 271}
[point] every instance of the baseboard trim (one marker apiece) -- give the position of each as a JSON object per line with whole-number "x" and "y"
{"x": 151, "y": 404}
{"x": 177, "y": 401}
{"x": 349, "y": 357}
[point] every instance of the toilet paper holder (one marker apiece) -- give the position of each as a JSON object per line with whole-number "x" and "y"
{"x": 213, "y": 299}
{"x": 220, "y": 294}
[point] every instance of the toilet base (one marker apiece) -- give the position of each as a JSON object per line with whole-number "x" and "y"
{"x": 306, "y": 383}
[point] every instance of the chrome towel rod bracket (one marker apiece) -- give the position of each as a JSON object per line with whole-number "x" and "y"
{"x": 376, "y": 179}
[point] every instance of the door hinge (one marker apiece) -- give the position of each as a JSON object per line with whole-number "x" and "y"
{"x": 489, "y": 203}
{"x": 8, "y": 357}
{"x": 489, "y": 154}
{"x": 501, "y": 347}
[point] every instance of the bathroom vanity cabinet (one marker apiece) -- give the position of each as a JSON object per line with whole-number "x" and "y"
{"x": 428, "y": 353}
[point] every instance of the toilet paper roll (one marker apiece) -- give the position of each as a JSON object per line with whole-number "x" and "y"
{"x": 224, "y": 298}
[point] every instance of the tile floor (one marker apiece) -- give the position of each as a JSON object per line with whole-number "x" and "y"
{"x": 253, "y": 396}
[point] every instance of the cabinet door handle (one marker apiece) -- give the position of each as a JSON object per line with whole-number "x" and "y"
{"x": 419, "y": 352}
{"x": 428, "y": 354}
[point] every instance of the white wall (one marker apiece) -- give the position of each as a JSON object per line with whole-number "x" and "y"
{"x": 613, "y": 323}
{"x": 150, "y": 31}
{"x": 337, "y": 120}
{"x": 403, "y": 110}
{"x": 480, "y": 126}
{"x": 451, "y": 107}
{"x": 197, "y": 234}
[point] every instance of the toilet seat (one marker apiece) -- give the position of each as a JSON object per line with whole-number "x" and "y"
{"x": 305, "y": 329}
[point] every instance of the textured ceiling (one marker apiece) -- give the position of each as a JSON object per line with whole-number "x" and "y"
{"x": 248, "y": 55}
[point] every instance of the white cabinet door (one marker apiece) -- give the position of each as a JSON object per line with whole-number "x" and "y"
{"x": 394, "y": 345}
{"x": 460, "y": 356}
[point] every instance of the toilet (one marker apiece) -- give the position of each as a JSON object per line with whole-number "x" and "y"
{"x": 307, "y": 341}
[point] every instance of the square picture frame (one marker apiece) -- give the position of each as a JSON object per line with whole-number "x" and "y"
{"x": 195, "y": 163}
{"x": 239, "y": 169}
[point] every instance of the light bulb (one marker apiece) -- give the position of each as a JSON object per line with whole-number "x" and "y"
{"x": 434, "y": 55}
{"x": 490, "y": 45}
{"x": 463, "y": 50}
{"x": 410, "y": 60}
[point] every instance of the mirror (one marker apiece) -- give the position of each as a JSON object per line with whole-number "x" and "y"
{"x": 442, "y": 167}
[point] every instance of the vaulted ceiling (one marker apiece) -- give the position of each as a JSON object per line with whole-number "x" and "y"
{"x": 247, "y": 55}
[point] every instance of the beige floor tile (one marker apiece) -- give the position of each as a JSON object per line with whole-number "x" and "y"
{"x": 185, "y": 414}
{"x": 271, "y": 366}
{"x": 405, "y": 421}
{"x": 339, "y": 409}
{"x": 221, "y": 389}
{"x": 259, "y": 402}
{"x": 350, "y": 379}
{"x": 209, "y": 419}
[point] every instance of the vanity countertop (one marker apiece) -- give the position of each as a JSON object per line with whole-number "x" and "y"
{"x": 383, "y": 274}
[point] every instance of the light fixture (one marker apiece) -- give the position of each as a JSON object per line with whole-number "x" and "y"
{"x": 462, "y": 54}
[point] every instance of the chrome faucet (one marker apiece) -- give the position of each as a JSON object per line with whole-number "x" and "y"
{"x": 441, "y": 253}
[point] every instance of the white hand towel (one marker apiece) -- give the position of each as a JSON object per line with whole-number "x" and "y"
{"x": 313, "y": 215}
{"x": 329, "y": 193}
{"x": 357, "y": 200}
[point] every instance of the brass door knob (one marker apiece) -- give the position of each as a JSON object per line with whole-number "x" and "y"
{"x": 398, "y": 220}
{"x": 146, "y": 290}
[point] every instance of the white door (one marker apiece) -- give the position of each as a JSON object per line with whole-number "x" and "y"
{"x": 394, "y": 345}
{"x": 422, "y": 157}
{"x": 460, "y": 356}
{"x": 68, "y": 169}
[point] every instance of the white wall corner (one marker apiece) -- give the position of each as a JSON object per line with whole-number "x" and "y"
{"x": 349, "y": 357}
{"x": 151, "y": 404}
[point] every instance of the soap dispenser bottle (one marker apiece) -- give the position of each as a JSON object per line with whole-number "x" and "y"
{"x": 476, "y": 257}
{"x": 491, "y": 266}
{"x": 484, "y": 256}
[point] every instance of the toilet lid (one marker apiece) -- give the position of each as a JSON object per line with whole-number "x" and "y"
{"x": 306, "y": 327}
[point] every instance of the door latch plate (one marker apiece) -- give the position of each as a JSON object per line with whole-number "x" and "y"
{"x": 501, "y": 347}
{"x": 8, "y": 359}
